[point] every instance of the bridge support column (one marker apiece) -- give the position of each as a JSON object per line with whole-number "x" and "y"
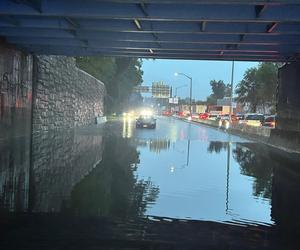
{"x": 288, "y": 105}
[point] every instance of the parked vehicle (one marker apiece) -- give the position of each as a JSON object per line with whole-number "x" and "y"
{"x": 167, "y": 113}
{"x": 204, "y": 116}
{"x": 240, "y": 117}
{"x": 270, "y": 121}
{"x": 255, "y": 120}
{"x": 213, "y": 117}
{"x": 195, "y": 116}
{"x": 208, "y": 116}
{"x": 146, "y": 122}
{"x": 180, "y": 113}
{"x": 226, "y": 117}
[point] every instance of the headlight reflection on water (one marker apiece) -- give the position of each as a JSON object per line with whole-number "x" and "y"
{"x": 127, "y": 127}
{"x": 173, "y": 133}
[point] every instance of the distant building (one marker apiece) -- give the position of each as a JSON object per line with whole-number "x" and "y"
{"x": 196, "y": 108}
{"x": 224, "y": 106}
{"x": 199, "y": 108}
{"x": 218, "y": 109}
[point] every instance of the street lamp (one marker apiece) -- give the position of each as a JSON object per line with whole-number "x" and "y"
{"x": 231, "y": 93}
{"x": 191, "y": 84}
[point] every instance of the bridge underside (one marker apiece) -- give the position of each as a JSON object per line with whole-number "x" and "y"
{"x": 259, "y": 30}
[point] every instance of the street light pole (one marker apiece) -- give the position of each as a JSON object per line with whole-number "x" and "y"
{"x": 191, "y": 86}
{"x": 231, "y": 93}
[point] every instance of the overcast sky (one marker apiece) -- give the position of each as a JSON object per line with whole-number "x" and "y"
{"x": 201, "y": 72}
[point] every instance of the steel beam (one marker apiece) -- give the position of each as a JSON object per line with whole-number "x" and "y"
{"x": 201, "y": 38}
{"x": 163, "y": 46}
{"x": 183, "y": 11}
{"x": 196, "y": 56}
{"x": 206, "y": 29}
{"x": 150, "y": 27}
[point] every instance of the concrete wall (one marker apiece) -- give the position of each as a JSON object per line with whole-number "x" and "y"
{"x": 15, "y": 92}
{"x": 287, "y": 130}
{"x": 65, "y": 96}
{"x": 288, "y": 103}
{"x": 15, "y": 123}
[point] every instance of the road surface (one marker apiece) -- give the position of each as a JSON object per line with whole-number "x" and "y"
{"x": 179, "y": 172}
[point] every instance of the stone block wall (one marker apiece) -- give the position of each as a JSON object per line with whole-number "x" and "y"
{"x": 61, "y": 159}
{"x": 90, "y": 99}
{"x": 64, "y": 96}
{"x": 38, "y": 95}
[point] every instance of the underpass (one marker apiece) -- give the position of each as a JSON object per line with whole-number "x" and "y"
{"x": 182, "y": 173}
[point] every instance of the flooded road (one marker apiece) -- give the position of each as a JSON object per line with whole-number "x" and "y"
{"x": 116, "y": 182}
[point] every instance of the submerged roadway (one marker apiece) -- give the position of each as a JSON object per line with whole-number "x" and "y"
{"x": 179, "y": 186}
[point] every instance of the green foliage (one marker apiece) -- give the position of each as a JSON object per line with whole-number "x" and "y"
{"x": 219, "y": 91}
{"x": 118, "y": 74}
{"x": 258, "y": 86}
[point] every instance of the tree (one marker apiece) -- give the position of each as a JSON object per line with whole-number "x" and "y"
{"x": 247, "y": 89}
{"x": 267, "y": 78}
{"x": 219, "y": 90}
{"x": 258, "y": 87}
{"x": 119, "y": 75}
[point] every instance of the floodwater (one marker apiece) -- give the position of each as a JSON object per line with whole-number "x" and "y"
{"x": 179, "y": 186}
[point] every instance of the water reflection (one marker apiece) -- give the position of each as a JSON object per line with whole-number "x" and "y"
{"x": 104, "y": 174}
{"x": 255, "y": 163}
{"x": 112, "y": 189}
{"x": 252, "y": 162}
{"x": 40, "y": 178}
{"x": 59, "y": 161}
{"x": 217, "y": 146}
{"x": 154, "y": 145}
{"x": 128, "y": 125}
{"x": 14, "y": 174}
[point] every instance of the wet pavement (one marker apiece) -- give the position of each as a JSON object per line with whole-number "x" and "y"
{"x": 179, "y": 186}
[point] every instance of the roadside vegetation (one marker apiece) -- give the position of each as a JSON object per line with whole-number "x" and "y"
{"x": 219, "y": 91}
{"x": 257, "y": 88}
{"x": 118, "y": 74}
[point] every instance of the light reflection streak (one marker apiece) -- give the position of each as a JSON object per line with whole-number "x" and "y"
{"x": 127, "y": 127}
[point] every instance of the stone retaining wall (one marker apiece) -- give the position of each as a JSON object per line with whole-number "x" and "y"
{"x": 61, "y": 159}
{"x": 64, "y": 96}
